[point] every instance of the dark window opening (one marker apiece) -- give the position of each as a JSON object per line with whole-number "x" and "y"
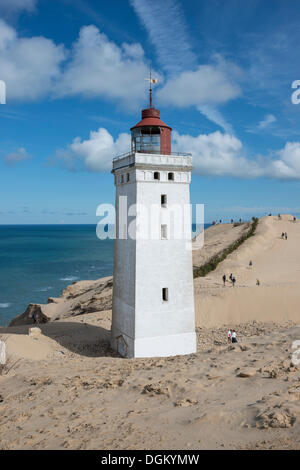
{"x": 156, "y": 175}
{"x": 165, "y": 294}
{"x": 171, "y": 176}
{"x": 164, "y": 232}
{"x": 163, "y": 200}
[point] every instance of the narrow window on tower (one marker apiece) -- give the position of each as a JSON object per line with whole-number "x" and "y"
{"x": 128, "y": 177}
{"x": 171, "y": 176}
{"x": 164, "y": 232}
{"x": 156, "y": 175}
{"x": 163, "y": 200}
{"x": 122, "y": 179}
{"x": 165, "y": 294}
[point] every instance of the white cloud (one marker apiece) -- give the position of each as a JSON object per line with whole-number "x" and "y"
{"x": 205, "y": 88}
{"x": 13, "y": 158}
{"x": 98, "y": 67}
{"x": 267, "y": 121}
{"x": 95, "y": 66}
{"x": 165, "y": 24}
{"x": 212, "y": 84}
{"x": 216, "y": 154}
{"x": 29, "y": 66}
{"x": 95, "y": 153}
{"x": 287, "y": 166}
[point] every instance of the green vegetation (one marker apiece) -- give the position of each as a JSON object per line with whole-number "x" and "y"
{"x": 215, "y": 260}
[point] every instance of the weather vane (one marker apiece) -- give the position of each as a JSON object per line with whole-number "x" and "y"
{"x": 152, "y": 81}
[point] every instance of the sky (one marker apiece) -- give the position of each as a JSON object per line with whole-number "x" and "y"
{"x": 75, "y": 74}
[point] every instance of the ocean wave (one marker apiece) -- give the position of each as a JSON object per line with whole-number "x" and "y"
{"x": 70, "y": 278}
{"x": 44, "y": 289}
{"x": 5, "y": 305}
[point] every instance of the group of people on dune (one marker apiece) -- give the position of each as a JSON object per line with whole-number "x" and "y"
{"x": 232, "y": 279}
{"x": 231, "y": 336}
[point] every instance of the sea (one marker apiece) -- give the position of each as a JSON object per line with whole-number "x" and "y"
{"x": 39, "y": 261}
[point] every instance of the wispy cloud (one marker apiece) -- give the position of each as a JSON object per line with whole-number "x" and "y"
{"x": 215, "y": 116}
{"x": 267, "y": 121}
{"x": 16, "y": 157}
{"x": 165, "y": 24}
{"x": 266, "y": 124}
{"x": 13, "y": 6}
{"x": 188, "y": 84}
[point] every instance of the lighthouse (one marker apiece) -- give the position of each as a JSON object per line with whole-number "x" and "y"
{"x": 153, "y": 296}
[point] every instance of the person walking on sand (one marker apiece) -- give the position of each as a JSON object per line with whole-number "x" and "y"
{"x": 224, "y": 279}
{"x": 285, "y": 235}
{"x": 233, "y": 337}
{"x": 257, "y": 282}
{"x": 229, "y": 336}
{"x": 250, "y": 263}
{"x": 230, "y": 277}
{"x": 233, "y": 280}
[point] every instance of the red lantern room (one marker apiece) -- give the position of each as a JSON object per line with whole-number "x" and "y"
{"x": 151, "y": 135}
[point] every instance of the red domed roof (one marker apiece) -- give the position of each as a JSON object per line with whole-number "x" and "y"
{"x": 151, "y": 117}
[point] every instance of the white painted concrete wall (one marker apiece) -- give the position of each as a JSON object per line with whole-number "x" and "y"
{"x": 143, "y": 267}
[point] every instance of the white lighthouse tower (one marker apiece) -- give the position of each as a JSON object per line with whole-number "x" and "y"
{"x": 153, "y": 297}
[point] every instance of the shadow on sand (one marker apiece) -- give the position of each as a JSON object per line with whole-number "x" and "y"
{"x": 78, "y": 337}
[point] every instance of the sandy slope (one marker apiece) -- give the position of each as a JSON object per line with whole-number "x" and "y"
{"x": 66, "y": 389}
{"x": 82, "y": 396}
{"x": 276, "y": 263}
{"x": 216, "y": 238}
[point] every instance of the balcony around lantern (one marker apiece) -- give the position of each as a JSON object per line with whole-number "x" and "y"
{"x": 132, "y": 158}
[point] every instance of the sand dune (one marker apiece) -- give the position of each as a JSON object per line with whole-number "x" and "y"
{"x": 66, "y": 389}
{"x": 276, "y": 263}
{"x": 82, "y": 396}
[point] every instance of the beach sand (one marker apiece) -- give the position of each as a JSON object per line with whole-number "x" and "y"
{"x": 66, "y": 389}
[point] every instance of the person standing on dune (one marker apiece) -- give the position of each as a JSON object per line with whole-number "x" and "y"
{"x": 233, "y": 336}
{"x": 229, "y": 336}
{"x": 224, "y": 279}
{"x": 285, "y": 235}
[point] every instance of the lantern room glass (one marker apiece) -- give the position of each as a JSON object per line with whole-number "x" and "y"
{"x": 146, "y": 140}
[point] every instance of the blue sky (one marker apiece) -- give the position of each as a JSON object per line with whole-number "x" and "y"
{"x": 75, "y": 70}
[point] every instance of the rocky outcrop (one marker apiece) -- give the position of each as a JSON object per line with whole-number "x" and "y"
{"x": 33, "y": 314}
{"x": 79, "y": 298}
